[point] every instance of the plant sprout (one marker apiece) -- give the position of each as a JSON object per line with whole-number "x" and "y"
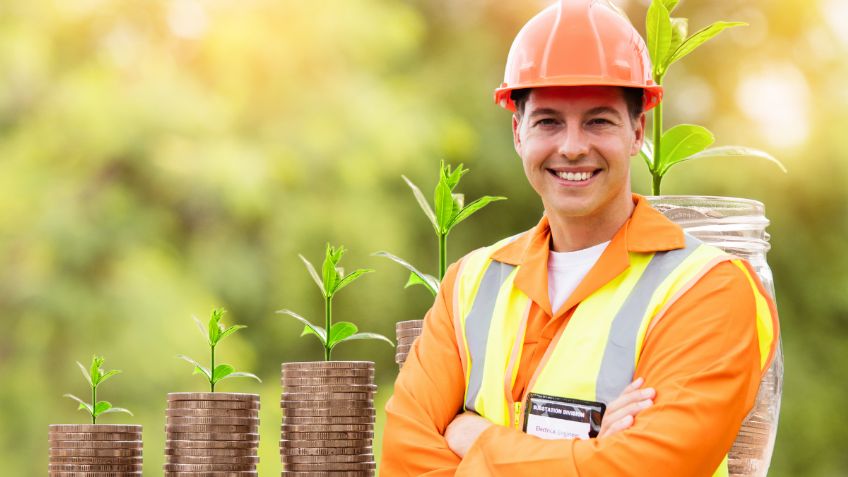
{"x": 214, "y": 333}
{"x": 449, "y": 211}
{"x": 668, "y": 44}
{"x": 331, "y": 280}
{"x": 95, "y": 376}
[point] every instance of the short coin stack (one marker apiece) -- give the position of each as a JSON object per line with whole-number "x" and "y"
{"x": 406, "y": 332}
{"x": 94, "y": 450}
{"x": 211, "y": 434}
{"x": 328, "y": 419}
{"x": 748, "y": 456}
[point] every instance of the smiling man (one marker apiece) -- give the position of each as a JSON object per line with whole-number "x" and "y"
{"x": 604, "y": 341}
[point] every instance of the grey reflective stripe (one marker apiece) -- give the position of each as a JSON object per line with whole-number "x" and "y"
{"x": 478, "y": 322}
{"x": 617, "y": 365}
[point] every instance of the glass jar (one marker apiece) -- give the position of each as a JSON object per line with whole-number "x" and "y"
{"x": 738, "y": 226}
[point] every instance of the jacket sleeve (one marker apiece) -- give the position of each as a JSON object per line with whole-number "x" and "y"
{"x": 428, "y": 394}
{"x": 703, "y": 360}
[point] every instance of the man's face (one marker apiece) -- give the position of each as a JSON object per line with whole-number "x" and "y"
{"x": 575, "y": 144}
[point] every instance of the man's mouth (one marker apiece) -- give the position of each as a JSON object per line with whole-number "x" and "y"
{"x": 576, "y": 176}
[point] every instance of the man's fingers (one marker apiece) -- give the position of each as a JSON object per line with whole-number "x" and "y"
{"x": 634, "y": 385}
{"x": 630, "y": 397}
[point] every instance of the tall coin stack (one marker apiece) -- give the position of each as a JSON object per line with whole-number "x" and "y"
{"x": 211, "y": 434}
{"x": 95, "y": 449}
{"x": 406, "y": 332}
{"x": 328, "y": 419}
{"x": 749, "y": 455}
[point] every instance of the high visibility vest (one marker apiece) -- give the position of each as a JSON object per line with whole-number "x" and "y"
{"x": 594, "y": 357}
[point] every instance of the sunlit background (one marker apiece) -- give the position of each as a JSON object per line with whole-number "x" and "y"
{"x": 160, "y": 158}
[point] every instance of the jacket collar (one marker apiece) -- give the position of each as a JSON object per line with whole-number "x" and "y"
{"x": 646, "y": 231}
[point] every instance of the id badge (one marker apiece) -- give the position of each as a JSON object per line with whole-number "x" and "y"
{"x": 552, "y": 417}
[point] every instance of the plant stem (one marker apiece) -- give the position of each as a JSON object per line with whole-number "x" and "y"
{"x": 656, "y": 177}
{"x": 328, "y": 314}
{"x": 443, "y": 252}
{"x": 93, "y": 404}
{"x": 212, "y": 371}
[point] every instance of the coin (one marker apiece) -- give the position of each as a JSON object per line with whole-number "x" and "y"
{"x": 329, "y": 435}
{"x": 325, "y": 420}
{"x": 188, "y": 459}
{"x": 206, "y": 452}
{"x": 211, "y": 444}
{"x": 293, "y": 396}
{"x": 328, "y": 428}
{"x": 92, "y": 474}
{"x": 326, "y": 443}
{"x": 408, "y": 334}
{"x": 329, "y": 364}
{"x": 286, "y": 404}
{"x": 93, "y": 436}
{"x": 214, "y": 421}
{"x": 102, "y": 453}
{"x": 210, "y": 428}
{"x": 405, "y": 325}
{"x": 324, "y": 451}
{"x": 213, "y": 405}
{"x": 97, "y": 444}
{"x": 241, "y": 473}
{"x": 314, "y": 459}
{"x": 128, "y": 428}
{"x": 95, "y": 460}
{"x": 342, "y": 411}
{"x": 207, "y": 467}
{"x": 340, "y": 473}
{"x": 213, "y": 436}
{"x": 240, "y": 397}
{"x": 330, "y": 372}
{"x": 331, "y": 466}
{"x": 93, "y": 467}
{"x": 326, "y": 380}
{"x": 332, "y": 388}
{"x": 218, "y": 413}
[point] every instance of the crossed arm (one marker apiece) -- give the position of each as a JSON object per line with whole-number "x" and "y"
{"x": 702, "y": 360}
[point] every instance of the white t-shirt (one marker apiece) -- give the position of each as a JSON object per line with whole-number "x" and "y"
{"x": 567, "y": 269}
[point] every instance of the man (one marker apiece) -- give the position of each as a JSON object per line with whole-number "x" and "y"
{"x": 532, "y": 339}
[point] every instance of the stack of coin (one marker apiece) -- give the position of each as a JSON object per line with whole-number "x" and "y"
{"x": 328, "y": 418}
{"x": 211, "y": 433}
{"x": 406, "y": 331}
{"x": 750, "y": 454}
{"x": 95, "y": 449}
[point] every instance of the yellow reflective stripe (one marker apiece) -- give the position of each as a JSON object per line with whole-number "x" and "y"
{"x": 765, "y": 325}
{"x": 722, "y": 470}
{"x": 667, "y": 291}
{"x": 503, "y": 332}
{"x": 578, "y": 353}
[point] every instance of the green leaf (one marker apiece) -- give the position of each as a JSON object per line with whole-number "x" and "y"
{"x": 221, "y": 371}
{"x": 670, "y": 4}
{"x": 367, "y": 336}
{"x": 735, "y": 151}
{"x": 314, "y": 275}
{"x": 85, "y": 373}
{"x": 214, "y": 326}
{"x": 341, "y": 331}
{"x": 96, "y": 363}
{"x": 422, "y": 202}
{"x": 108, "y": 375}
{"x": 101, "y": 407}
{"x": 679, "y": 30}
{"x": 84, "y": 406}
{"x": 240, "y": 374}
{"x": 351, "y": 277}
{"x": 452, "y": 178}
{"x": 330, "y": 274}
{"x": 309, "y": 327}
{"x": 444, "y": 203}
{"x": 646, "y": 152}
{"x": 428, "y": 281}
{"x": 198, "y": 368}
{"x": 658, "y": 28}
{"x": 117, "y": 409}
{"x": 701, "y": 36}
{"x": 468, "y": 210}
{"x": 682, "y": 141}
{"x": 229, "y": 331}
{"x": 459, "y": 200}
{"x": 201, "y": 327}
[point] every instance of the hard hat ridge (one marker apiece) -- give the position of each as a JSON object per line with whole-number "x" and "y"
{"x": 578, "y": 43}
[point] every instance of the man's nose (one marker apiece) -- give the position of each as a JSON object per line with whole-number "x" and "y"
{"x": 574, "y": 144}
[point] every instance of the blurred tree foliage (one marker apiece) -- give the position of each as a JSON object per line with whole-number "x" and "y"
{"x": 160, "y": 158}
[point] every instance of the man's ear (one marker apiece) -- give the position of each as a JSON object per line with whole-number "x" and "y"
{"x": 516, "y": 137}
{"x": 638, "y": 134}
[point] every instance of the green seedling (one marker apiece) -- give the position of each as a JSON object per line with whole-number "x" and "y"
{"x": 667, "y": 44}
{"x": 214, "y": 333}
{"x": 95, "y": 376}
{"x": 448, "y": 212}
{"x": 331, "y": 280}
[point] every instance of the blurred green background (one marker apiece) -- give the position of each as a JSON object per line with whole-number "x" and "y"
{"x": 161, "y": 158}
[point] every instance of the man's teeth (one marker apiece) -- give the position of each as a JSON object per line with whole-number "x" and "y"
{"x": 574, "y": 176}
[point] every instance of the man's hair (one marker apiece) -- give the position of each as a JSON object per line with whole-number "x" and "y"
{"x": 632, "y": 96}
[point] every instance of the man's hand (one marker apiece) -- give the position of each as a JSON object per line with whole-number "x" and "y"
{"x": 464, "y": 430}
{"x": 621, "y": 412}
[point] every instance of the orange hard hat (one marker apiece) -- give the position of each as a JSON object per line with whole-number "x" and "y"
{"x": 579, "y": 43}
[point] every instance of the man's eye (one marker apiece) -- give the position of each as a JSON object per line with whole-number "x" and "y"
{"x": 600, "y": 121}
{"x": 546, "y": 122}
